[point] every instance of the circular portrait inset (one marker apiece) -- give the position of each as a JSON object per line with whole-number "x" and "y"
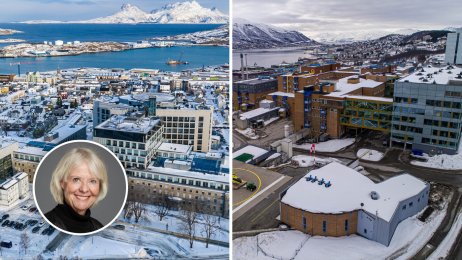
{"x": 80, "y": 187}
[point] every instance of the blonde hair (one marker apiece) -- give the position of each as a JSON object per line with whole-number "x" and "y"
{"x": 71, "y": 159}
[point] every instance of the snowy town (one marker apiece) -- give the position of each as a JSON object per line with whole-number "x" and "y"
{"x": 169, "y": 130}
{"x": 346, "y": 156}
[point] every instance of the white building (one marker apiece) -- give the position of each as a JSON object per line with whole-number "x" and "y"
{"x": 14, "y": 189}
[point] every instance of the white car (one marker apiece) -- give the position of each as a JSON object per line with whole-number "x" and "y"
{"x": 25, "y": 207}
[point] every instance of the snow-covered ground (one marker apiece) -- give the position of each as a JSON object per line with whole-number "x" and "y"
{"x": 248, "y": 132}
{"x": 442, "y": 161}
{"x": 173, "y": 220}
{"x": 328, "y": 146}
{"x": 307, "y": 161}
{"x": 410, "y": 236}
{"x": 369, "y": 155}
{"x": 443, "y": 249}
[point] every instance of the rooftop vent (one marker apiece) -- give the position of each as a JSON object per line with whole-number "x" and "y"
{"x": 425, "y": 80}
{"x": 374, "y": 195}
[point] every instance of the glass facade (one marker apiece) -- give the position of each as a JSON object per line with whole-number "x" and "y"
{"x": 428, "y": 116}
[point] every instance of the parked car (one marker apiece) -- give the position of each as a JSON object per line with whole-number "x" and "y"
{"x": 5, "y": 223}
{"x": 6, "y": 244}
{"x": 32, "y": 209}
{"x": 119, "y": 227}
{"x": 35, "y": 229}
{"x": 45, "y": 231}
{"x": 5, "y": 216}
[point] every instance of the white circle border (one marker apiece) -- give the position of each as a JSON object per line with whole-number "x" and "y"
{"x": 125, "y": 178}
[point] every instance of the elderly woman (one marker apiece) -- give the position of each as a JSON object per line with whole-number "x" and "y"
{"x": 78, "y": 183}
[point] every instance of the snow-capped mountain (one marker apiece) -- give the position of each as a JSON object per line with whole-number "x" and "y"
{"x": 181, "y": 12}
{"x": 247, "y": 35}
{"x": 188, "y": 12}
{"x": 355, "y": 36}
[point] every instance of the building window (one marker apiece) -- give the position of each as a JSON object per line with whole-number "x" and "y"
{"x": 346, "y": 224}
{"x": 365, "y": 231}
{"x": 411, "y": 204}
{"x": 324, "y": 226}
{"x": 404, "y": 207}
{"x": 304, "y": 223}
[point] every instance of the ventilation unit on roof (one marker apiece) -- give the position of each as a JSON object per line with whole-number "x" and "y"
{"x": 321, "y": 182}
{"x": 374, "y": 195}
{"x": 314, "y": 179}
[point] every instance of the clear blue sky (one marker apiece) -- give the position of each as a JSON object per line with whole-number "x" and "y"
{"x": 72, "y": 10}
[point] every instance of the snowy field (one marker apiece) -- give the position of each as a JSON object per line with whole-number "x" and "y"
{"x": 410, "y": 236}
{"x": 369, "y": 155}
{"x": 328, "y": 146}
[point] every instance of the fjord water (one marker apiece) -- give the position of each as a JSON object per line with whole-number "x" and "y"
{"x": 154, "y": 58}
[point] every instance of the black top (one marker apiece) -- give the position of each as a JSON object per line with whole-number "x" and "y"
{"x": 66, "y": 218}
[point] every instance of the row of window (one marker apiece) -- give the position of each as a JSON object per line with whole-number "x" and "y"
{"x": 125, "y": 144}
{"x": 446, "y": 104}
{"x": 324, "y": 225}
{"x": 178, "y": 119}
{"x": 442, "y": 124}
{"x": 26, "y": 157}
{"x": 180, "y": 180}
{"x": 433, "y": 141}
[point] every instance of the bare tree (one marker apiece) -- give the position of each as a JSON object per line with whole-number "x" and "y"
{"x": 128, "y": 209}
{"x": 162, "y": 206}
{"x": 25, "y": 241}
{"x": 138, "y": 210}
{"x": 189, "y": 220}
{"x": 210, "y": 226}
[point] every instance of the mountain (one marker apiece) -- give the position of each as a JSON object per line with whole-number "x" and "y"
{"x": 355, "y": 36}
{"x": 247, "y": 35}
{"x": 188, "y": 12}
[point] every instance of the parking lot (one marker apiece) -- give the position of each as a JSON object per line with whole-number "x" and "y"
{"x": 24, "y": 218}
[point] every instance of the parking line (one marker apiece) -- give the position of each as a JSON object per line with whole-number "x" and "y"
{"x": 264, "y": 210}
{"x": 255, "y": 192}
{"x": 253, "y": 197}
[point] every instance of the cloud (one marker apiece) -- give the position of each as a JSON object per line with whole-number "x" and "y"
{"x": 314, "y": 16}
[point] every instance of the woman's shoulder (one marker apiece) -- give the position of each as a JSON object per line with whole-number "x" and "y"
{"x": 55, "y": 217}
{"x": 96, "y": 223}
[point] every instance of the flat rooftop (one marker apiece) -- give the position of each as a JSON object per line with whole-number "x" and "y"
{"x": 439, "y": 75}
{"x": 382, "y": 99}
{"x": 343, "y": 87}
{"x": 129, "y": 124}
{"x": 256, "y": 81}
{"x": 171, "y": 147}
{"x": 349, "y": 189}
{"x": 189, "y": 174}
{"x": 256, "y": 112}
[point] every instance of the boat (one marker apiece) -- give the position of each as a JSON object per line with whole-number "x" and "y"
{"x": 177, "y": 62}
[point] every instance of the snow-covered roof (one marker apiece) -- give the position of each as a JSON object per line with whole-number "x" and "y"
{"x": 127, "y": 124}
{"x": 390, "y": 100}
{"x": 32, "y": 151}
{"x": 348, "y": 190}
{"x": 443, "y": 75}
{"x": 171, "y": 147}
{"x": 189, "y": 174}
{"x": 256, "y": 112}
{"x": 250, "y": 149}
{"x": 282, "y": 94}
{"x": 20, "y": 175}
{"x": 8, "y": 184}
{"x": 343, "y": 87}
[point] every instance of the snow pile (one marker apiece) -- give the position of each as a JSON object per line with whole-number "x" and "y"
{"x": 307, "y": 161}
{"x": 442, "y": 161}
{"x": 369, "y": 155}
{"x": 249, "y": 133}
{"x": 410, "y": 236}
{"x": 328, "y": 146}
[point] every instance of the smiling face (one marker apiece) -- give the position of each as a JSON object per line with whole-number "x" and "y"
{"x": 81, "y": 188}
